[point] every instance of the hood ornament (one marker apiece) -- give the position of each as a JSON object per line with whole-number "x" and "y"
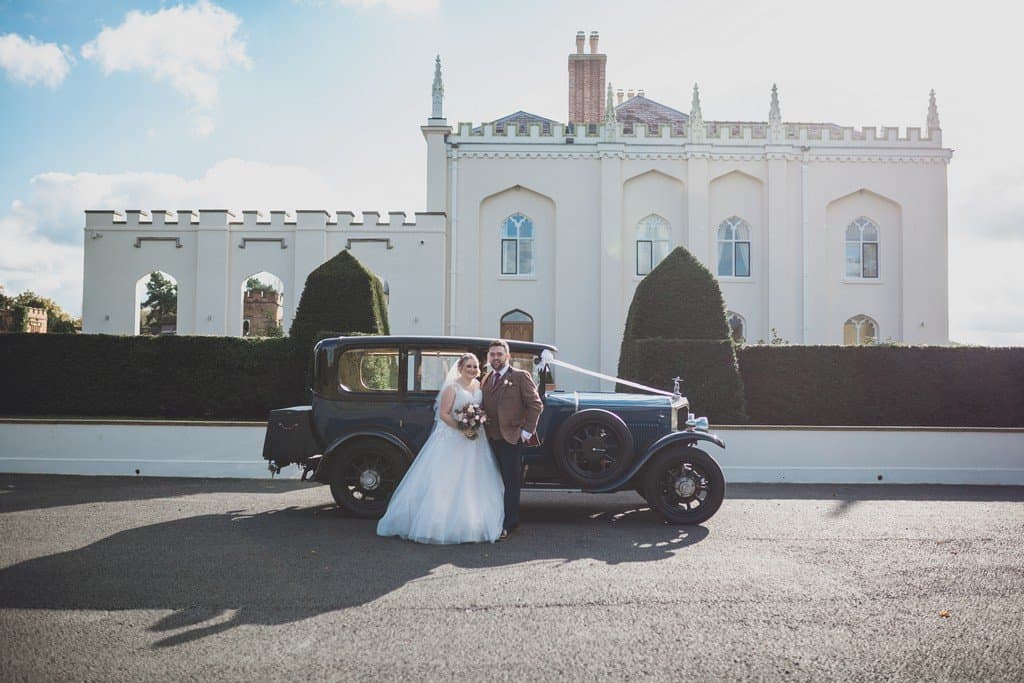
{"x": 675, "y": 385}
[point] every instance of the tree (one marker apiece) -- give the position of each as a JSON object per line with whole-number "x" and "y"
{"x": 161, "y": 303}
{"x": 342, "y": 296}
{"x": 676, "y": 326}
{"x": 58, "y": 321}
{"x": 254, "y": 284}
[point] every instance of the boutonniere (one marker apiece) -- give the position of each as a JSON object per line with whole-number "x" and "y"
{"x": 507, "y": 383}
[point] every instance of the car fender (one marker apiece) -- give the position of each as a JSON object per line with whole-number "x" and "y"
{"x": 327, "y": 462}
{"x": 686, "y": 438}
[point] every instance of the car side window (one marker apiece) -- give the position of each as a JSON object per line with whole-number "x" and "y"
{"x": 369, "y": 369}
{"x": 427, "y": 368}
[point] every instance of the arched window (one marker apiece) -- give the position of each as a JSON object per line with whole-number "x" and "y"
{"x": 156, "y": 304}
{"x": 517, "y": 245}
{"x": 651, "y": 243}
{"x": 860, "y": 329}
{"x": 518, "y": 325}
{"x": 862, "y": 249}
{"x": 262, "y": 305}
{"x": 734, "y": 248}
{"x": 737, "y": 327}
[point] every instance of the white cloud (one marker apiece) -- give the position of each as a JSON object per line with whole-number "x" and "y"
{"x": 397, "y": 6}
{"x": 31, "y": 62}
{"x": 202, "y": 126}
{"x": 41, "y": 235}
{"x": 186, "y": 46}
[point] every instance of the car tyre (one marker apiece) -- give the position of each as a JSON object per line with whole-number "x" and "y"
{"x": 593, "y": 447}
{"x": 364, "y": 475}
{"x": 684, "y": 485}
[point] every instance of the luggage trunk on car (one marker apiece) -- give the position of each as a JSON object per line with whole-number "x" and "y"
{"x": 290, "y": 437}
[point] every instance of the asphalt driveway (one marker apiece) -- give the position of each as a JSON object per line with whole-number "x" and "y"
{"x": 155, "y": 579}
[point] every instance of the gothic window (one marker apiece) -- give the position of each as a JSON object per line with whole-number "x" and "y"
{"x": 737, "y": 327}
{"x": 517, "y": 245}
{"x": 517, "y": 325}
{"x": 734, "y": 248}
{"x": 651, "y": 243}
{"x": 858, "y": 330}
{"x": 862, "y": 249}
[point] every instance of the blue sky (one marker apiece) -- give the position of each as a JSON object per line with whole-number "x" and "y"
{"x": 318, "y": 104}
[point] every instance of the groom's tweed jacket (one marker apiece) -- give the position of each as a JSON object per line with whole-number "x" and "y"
{"x": 512, "y": 406}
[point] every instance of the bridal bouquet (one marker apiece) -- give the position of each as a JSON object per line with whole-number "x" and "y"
{"x": 470, "y": 420}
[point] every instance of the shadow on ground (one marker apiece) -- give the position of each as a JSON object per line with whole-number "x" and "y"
{"x": 39, "y": 491}
{"x": 859, "y": 492}
{"x": 294, "y": 563}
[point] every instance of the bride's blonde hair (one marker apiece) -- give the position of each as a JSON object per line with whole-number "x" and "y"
{"x": 464, "y": 357}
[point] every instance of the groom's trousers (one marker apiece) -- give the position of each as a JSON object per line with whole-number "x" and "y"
{"x": 510, "y": 462}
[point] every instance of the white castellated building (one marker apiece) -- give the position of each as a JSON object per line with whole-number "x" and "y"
{"x": 818, "y": 233}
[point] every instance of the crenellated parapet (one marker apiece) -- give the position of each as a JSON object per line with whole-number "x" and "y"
{"x": 253, "y": 220}
{"x": 715, "y": 133}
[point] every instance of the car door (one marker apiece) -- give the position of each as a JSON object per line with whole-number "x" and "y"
{"x": 424, "y": 372}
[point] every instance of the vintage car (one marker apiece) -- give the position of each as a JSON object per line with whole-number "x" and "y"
{"x": 372, "y": 408}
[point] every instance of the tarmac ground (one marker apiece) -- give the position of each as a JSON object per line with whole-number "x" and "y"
{"x": 140, "y": 579}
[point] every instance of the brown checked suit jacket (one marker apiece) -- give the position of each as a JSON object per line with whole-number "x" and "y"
{"x": 512, "y": 406}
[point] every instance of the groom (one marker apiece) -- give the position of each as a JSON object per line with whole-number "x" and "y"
{"x": 513, "y": 408}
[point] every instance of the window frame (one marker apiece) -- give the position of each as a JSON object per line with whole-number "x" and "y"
{"x": 516, "y": 243}
{"x": 858, "y": 322}
{"x": 862, "y": 245}
{"x": 662, "y": 230}
{"x": 734, "y": 222}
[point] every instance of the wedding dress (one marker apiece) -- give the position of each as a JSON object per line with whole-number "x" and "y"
{"x": 453, "y": 492}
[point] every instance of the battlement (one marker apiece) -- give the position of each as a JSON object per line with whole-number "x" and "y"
{"x": 250, "y": 219}
{"x": 716, "y": 132}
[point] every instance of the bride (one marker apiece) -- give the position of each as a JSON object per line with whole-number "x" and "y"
{"x": 453, "y": 492}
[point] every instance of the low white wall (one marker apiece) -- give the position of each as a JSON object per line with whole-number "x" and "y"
{"x": 761, "y": 454}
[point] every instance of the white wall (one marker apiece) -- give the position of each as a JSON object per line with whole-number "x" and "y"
{"x": 788, "y": 454}
{"x": 211, "y": 265}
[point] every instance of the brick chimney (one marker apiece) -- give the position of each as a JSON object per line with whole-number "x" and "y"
{"x": 586, "y": 82}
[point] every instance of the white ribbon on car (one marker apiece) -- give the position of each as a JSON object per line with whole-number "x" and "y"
{"x": 547, "y": 358}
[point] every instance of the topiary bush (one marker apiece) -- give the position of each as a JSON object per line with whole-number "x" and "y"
{"x": 676, "y": 326}
{"x": 341, "y": 294}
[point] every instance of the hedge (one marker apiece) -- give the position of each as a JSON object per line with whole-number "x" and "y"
{"x": 932, "y": 386}
{"x": 166, "y": 377}
{"x": 233, "y": 378}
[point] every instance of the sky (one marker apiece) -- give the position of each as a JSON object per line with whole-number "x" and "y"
{"x": 304, "y": 104}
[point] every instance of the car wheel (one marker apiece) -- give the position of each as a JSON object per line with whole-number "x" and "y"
{"x": 365, "y": 475}
{"x": 593, "y": 447}
{"x": 684, "y": 485}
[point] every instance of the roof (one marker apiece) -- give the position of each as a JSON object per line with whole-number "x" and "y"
{"x": 639, "y": 109}
{"x": 522, "y": 119}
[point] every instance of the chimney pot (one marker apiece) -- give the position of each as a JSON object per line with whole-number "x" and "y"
{"x": 630, "y": 95}
{"x": 619, "y": 94}
{"x": 593, "y": 42}
{"x": 640, "y": 93}
{"x": 580, "y": 37}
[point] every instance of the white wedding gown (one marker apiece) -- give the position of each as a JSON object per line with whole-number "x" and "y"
{"x": 453, "y": 492}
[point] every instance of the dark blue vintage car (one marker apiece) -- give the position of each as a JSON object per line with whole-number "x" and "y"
{"x": 373, "y": 408}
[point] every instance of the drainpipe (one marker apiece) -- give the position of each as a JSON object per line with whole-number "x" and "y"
{"x": 805, "y": 256}
{"x": 453, "y": 273}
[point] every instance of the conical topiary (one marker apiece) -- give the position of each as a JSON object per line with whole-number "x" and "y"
{"x": 676, "y": 326}
{"x": 341, "y": 295}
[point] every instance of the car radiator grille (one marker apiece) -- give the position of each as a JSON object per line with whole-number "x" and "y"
{"x": 645, "y": 433}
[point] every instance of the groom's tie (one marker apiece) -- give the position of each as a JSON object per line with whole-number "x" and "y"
{"x": 494, "y": 380}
